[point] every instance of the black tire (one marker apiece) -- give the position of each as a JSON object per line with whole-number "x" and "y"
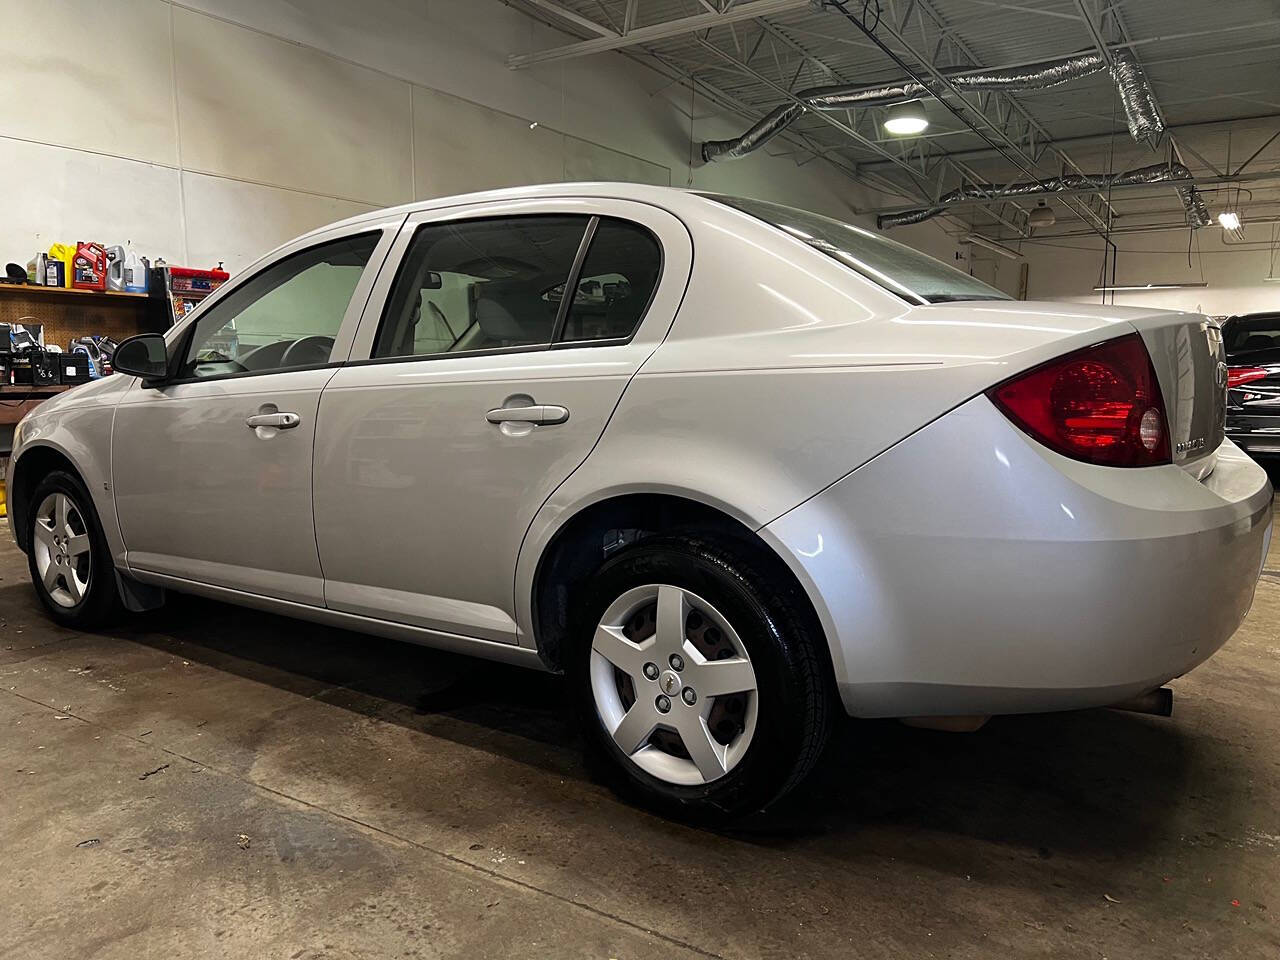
{"x": 788, "y": 653}
{"x": 100, "y": 603}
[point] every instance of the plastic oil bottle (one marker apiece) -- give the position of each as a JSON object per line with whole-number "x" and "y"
{"x": 135, "y": 270}
{"x": 115, "y": 268}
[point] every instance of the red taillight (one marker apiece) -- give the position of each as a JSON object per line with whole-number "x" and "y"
{"x": 1101, "y": 404}
{"x": 1239, "y": 376}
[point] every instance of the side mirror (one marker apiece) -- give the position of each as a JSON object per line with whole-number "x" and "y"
{"x": 142, "y": 356}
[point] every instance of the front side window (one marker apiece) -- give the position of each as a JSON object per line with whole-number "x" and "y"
{"x": 285, "y": 317}
{"x": 487, "y": 284}
{"x": 910, "y": 274}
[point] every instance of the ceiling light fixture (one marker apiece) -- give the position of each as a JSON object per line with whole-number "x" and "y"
{"x": 1042, "y": 216}
{"x": 1229, "y": 219}
{"x": 906, "y": 119}
{"x": 1107, "y": 287}
{"x": 992, "y": 245}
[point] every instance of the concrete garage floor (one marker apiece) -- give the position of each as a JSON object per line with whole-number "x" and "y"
{"x": 213, "y": 782}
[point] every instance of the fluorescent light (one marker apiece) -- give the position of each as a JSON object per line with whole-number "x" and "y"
{"x": 999, "y": 248}
{"x": 1229, "y": 219}
{"x": 905, "y": 119}
{"x": 1147, "y": 286}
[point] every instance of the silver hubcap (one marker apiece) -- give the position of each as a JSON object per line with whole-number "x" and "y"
{"x": 673, "y": 684}
{"x": 61, "y": 549}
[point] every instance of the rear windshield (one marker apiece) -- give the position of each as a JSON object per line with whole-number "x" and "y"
{"x": 909, "y": 273}
{"x": 1257, "y": 332}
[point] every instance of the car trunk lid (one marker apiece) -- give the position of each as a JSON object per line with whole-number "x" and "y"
{"x": 1187, "y": 352}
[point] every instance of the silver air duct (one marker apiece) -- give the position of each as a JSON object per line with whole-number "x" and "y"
{"x": 773, "y": 124}
{"x": 1135, "y": 96}
{"x": 1197, "y": 215}
{"x": 1193, "y": 204}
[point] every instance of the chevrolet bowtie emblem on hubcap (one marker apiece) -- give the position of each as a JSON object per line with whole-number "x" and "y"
{"x": 670, "y": 683}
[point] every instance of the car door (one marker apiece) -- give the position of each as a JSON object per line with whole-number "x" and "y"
{"x": 485, "y": 369}
{"x": 212, "y": 468}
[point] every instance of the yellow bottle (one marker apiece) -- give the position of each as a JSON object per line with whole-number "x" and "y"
{"x": 64, "y": 254}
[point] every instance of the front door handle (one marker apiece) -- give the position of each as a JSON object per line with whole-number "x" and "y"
{"x": 281, "y": 421}
{"x": 538, "y": 414}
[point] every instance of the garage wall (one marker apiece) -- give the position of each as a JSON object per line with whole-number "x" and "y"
{"x": 216, "y": 129}
{"x": 1068, "y": 269}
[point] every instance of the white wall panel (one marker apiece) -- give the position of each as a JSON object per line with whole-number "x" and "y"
{"x": 291, "y": 114}
{"x": 96, "y": 76}
{"x": 460, "y": 147}
{"x": 1068, "y": 269}
{"x": 257, "y": 108}
{"x": 237, "y": 222}
{"x": 584, "y": 160}
{"x": 62, "y": 196}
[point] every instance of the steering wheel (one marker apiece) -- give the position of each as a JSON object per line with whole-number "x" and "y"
{"x": 307, "y": 352}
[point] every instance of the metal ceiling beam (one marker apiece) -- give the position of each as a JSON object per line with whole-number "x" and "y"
{"x": 1027, "y": 126}
{"x": 980, "y": 153}
{"x": 844, "y": 128}
{"x": 657, "y": 31}
{"x": 577, "y": 19}
{"x": 1254, "y": 156}
{"x": 683, "y": 75}
{"x": 1261, "y": 175}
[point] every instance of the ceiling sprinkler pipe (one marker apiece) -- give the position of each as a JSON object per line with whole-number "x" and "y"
{"x": 1197, "y": 215}
{"x": 1135, "y": 95}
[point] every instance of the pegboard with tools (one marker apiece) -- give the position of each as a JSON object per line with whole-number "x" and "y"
{"x": 67, "y": 314}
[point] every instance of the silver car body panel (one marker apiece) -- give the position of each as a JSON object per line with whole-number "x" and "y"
{"x": 956, "y": 565}
{"x": 972, "y": 570}
{"x": 421, "y": 502}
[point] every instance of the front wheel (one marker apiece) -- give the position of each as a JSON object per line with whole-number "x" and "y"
{"x": 700, "y": 677}
{"x": 68, "y": 555}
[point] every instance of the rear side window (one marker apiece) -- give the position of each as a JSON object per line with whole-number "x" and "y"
{"x": 474, "y": 285}
{"x": 1252, "y": 333}
{"x": 616, "y": 284}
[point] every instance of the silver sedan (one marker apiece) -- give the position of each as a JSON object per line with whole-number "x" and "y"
{"x": 728, "y": 465}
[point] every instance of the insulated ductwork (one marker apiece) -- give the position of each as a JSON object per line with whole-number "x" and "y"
{"x": 1193, "y": 204}
{"x": 1135, "y": 96}
{"x": 1197, "y": 215}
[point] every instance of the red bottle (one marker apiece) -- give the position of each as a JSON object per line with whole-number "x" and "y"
{"x": 89, "y": 267}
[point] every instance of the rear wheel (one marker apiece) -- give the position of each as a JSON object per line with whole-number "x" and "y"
{"x": 700, "y": 677}
{"x": 68, "y": 556}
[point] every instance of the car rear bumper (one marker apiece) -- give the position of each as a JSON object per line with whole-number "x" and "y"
{"x": 969, "y": 570}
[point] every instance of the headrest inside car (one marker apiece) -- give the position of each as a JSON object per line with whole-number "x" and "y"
{"x": 518, "y": 314}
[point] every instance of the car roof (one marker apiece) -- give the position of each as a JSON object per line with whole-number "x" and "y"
{"x": 669, "y": 198}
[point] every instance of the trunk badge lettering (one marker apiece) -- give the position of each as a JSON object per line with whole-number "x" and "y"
{"x": 1190, "y": 446}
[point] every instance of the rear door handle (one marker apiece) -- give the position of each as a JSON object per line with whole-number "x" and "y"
{"x": 539, "y": 414}
{"x": 281, "y": 421}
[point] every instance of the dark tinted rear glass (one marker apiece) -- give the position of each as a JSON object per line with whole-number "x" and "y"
{"x": 1248, "y": 334}
{"x": 616, "y": 282}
